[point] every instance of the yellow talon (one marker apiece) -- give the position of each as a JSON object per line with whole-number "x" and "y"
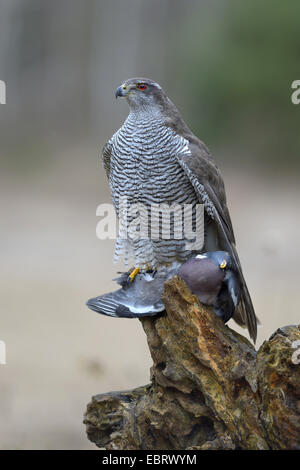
{"x": 134, "y": 273}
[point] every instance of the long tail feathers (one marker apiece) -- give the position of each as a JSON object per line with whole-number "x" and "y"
{"x": 104, "y": 304}
{"x": 108, "y": 304}
{"x": 245, "y": 314}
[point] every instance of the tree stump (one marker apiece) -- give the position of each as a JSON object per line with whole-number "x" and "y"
{"x": 209, "y": 388}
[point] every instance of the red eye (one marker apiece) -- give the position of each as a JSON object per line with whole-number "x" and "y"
{"x": 141, "y": 86}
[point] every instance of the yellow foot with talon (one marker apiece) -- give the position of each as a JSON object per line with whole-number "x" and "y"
{"x": 134, "y": 273}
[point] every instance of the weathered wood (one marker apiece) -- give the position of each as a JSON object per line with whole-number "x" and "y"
{"x": 209, "y": 388}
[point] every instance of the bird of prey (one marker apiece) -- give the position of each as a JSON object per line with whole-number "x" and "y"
{"x": 155, "y": 159}
{"x": 210, "y": 276}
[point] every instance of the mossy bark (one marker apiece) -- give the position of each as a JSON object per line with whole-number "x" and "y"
{"x": 209, "y": 388}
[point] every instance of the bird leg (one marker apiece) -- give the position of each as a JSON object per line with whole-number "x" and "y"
{"x": 133, "y": 273}
{"x": 137, "y": 270}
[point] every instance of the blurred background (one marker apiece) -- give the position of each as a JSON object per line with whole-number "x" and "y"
{"x": 228, "y": 66}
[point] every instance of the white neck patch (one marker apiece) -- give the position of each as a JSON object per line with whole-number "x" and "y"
{"x": 201, "y": 257}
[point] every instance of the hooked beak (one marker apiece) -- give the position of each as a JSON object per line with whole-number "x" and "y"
{"x": 121, "y": 91}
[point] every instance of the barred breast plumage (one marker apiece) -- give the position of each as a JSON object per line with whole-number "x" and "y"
{"x": 144, "y": 170}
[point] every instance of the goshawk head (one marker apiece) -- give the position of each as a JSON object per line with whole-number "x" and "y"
{"x": 141, "y": 92}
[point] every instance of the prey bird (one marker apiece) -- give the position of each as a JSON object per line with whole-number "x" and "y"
{"x": 155, "y": 159}
{"x": 210, "y": 276}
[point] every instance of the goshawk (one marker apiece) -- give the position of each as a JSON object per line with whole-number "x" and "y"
{"x": 154, "y": 159}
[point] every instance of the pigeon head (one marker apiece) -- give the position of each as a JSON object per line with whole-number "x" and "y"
{"x": 141, "y": 93}
{"x": 205, "y": 274}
